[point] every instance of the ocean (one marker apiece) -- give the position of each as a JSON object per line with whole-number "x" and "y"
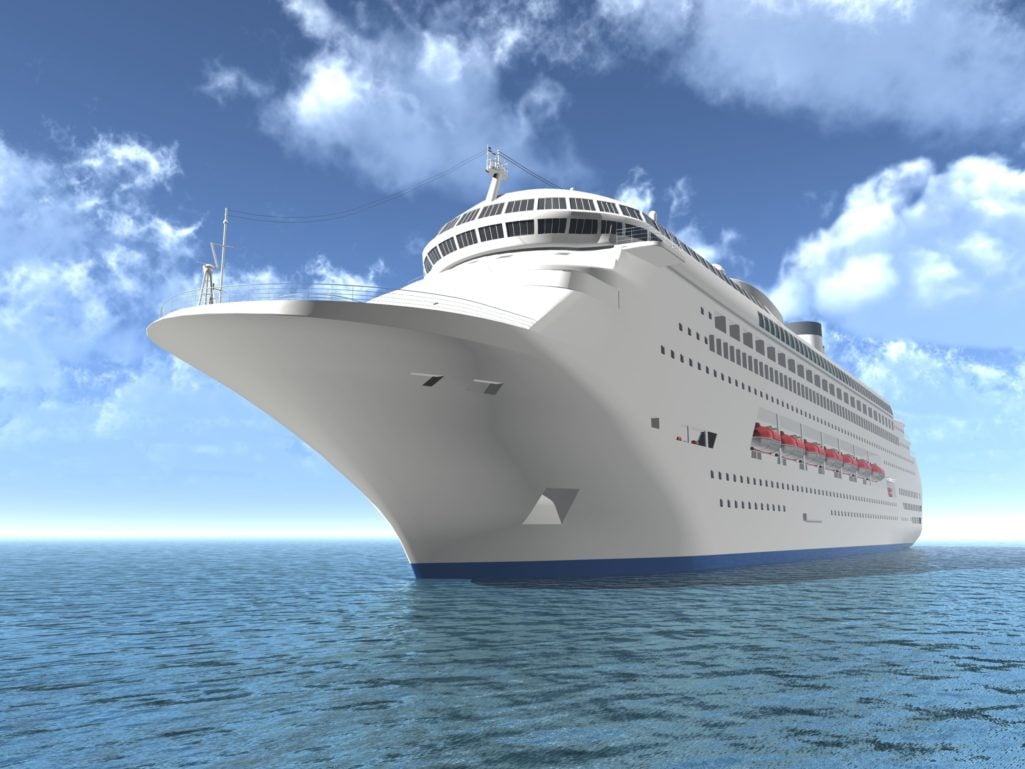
{"x": 329, "y": 654}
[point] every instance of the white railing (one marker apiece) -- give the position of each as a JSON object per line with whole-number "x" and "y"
{"x": 339, "y": 292}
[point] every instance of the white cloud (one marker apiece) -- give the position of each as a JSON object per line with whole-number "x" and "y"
{"x": 130, "y": 163}
{"x": 927, "y": 65}
{"x": 400, "y": 103}
{"x": 935, "y": 254}
{"x": 963, "y": 411}
{"x": 638, "y": 190}
{"x": 680, "y": 194}
{"x": 223, "y": 83}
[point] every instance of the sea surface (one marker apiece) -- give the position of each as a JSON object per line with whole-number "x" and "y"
{"x": 331, "y": 655}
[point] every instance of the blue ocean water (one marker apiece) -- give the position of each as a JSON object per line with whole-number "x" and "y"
{"x": 331, "y": 655}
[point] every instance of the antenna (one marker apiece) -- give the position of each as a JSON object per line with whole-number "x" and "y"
{"x": 497, "y": 170}
{"x": 209, "y": 293}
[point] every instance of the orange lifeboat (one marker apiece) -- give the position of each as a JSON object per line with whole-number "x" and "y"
{"x": 864, "y": 469}
{"x": 878, "y": 473}
{"x": 765, "y": 439}
{"x": 850, "y": 464}
{"x": 816, "y": 455}
{"x": 793, "y": 447}
{"x": 834, "y": 459}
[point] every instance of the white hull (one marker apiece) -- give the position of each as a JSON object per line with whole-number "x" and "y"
{"x": 593, "y": 356}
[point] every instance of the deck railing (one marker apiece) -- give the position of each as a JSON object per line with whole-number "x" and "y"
{"x": 341, "y": 292}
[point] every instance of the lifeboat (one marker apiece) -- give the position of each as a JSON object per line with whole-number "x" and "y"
{"x": 850, "y": 464}
{"x": 834, "y": 459}
{"x": 793, "y": 447}
{"x": 765, "y": 439}
{"x": 878, "y": 473}
{"x": 864, "y": 469}
{"x": 816, "y": 455}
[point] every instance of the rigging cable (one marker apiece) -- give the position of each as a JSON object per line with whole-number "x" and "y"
{"x": 252, "y": 216}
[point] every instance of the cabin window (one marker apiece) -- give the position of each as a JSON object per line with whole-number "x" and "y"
{"x": 434, "y": 255}
{"x": 447, "y": 246}
{"x": 467, "y": 238}
{"x": 427, "y": 265}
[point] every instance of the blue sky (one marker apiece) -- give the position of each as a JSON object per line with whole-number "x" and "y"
{"x": 861, "y": 160}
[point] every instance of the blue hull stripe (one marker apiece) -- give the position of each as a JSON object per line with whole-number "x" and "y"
{"x": 631, "y": 567}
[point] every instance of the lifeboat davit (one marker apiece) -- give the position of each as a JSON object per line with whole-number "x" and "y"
{"x": 834, "y": 459}
{"x": 850, "y": 464}
{"x": 816, "y": 455}
{"x": 878, "y": 473}
{"x": 765, "y": 439}
{"x": 864, "y": 469}
{"x": 793, "y": 447}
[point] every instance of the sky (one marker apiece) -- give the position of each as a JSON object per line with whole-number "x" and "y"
{"x": 863, "y": 161}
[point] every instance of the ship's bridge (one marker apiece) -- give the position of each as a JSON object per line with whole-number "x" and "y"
{"x": 541, "y": 218}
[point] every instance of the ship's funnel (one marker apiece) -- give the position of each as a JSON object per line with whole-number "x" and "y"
{"x": 810, "y": 332}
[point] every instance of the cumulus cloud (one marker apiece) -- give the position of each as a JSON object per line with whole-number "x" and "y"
{"x": 638, "y": 190}
{"x": 927, "y": 65}
{"x": 932, "y": 253}
{"x": 223, "y": 83}
{"x": 679, "y": 197}
{"x": 962, "y": 408}
{"x": 402, "y": 102}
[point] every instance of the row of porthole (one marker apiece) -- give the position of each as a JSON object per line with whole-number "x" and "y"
{"x": 794, "y": 487}
{"x": 851, "y": 514}
{"x": 909, "y": 493}
{"x": 740, "y": 505}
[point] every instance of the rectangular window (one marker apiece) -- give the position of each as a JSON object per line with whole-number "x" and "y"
{"x": 760, "y": 347}
{"x": 581, "y": 204}
{"x": 447, "y": 246}
{"x": 545, "y": 226}
{"x": 735, "y": 331}
{"x": 613, "y": 228}
{"x": 609, "y": 208}
{"x": 583, "y": 226}
{"x": 631, "y": 212}
{"x": 427, "y": 265}
{"x": 449, "y": 225}
{"x": 520, "y": 205}
{"x": 493, "y": 210}
{"x": 748, "y": 339}
{"x": 550, "y": 203}
{"x": 469, "y": 216}
{"x": 490, "y": 231}
{"x": 524, "y": 227}
{"x": 434, "y": 255}
{"x": 467, "y": 238}
{"x": 720, "y": 323}
{"x": 632, "y": 232}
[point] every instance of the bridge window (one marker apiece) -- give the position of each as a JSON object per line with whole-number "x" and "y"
{"x": 490, "y": 231}
{"x": 609, "y": 208}
{"x": 469, "y": 216}
{"x": 447, "y": 246}
{"x": 614, "y": 228}
{"x": 434, "y": 255}
{"x": 546, "y": 226}
{"x": 467, "y": 238}
{"x": 525, "y": 227}
{"x": 632, "y": 212}
{"x": 548, "y": 203}
{"x": 583, "y": 226}
{"x": 493, "y": 210}
{"x": 520, "y": 205}
{"x": 581, "y": 204}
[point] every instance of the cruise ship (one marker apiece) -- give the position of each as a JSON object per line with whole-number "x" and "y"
{"x": 569, "y": 390}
